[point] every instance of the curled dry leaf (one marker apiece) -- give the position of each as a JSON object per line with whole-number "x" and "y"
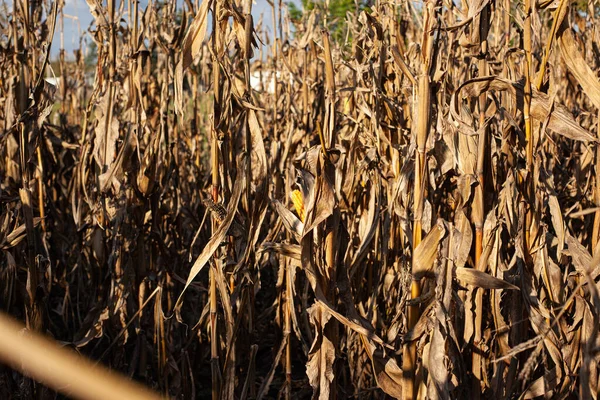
{"x": 577, "y": 64}
{"x": 462, "y": 238}
{"x": 190, "y": 47}
{"x": 321, "y": 356}
{"x": 370, "y": 218}
{"x": 107, "y": 133}
{"x": 287, "y": 250}
{"x": 388, "y": 374}
{"x": 583, "y": 261}
{"x": 219, "y": 235}
{"x": 320, "y": 204}
{"x": 560, "y": 120}
{"x": 426, "y": 252}
{"x": 557, "y": 223}
{"x": 470, "y": 276}
{"x": 17, "y": 235}
{"x": 290, "y": 221}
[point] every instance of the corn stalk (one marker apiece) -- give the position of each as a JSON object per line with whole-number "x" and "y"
{"x": 421, "y": 132}
{"x": 528, "y": 120}
{"x": 216, "y": 44}
{"x": 332, "y": 223}
{"x": 480, "y": 32}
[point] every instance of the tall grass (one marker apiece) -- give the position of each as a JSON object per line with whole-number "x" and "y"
{"x": 411, "y": 212}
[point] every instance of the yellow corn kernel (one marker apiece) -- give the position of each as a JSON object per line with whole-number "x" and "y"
{"x": 298, "y": 201}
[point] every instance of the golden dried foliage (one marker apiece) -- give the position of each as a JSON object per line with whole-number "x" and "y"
{"x": 217, "y": 205}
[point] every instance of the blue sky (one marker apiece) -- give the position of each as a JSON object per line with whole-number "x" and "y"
{"x": 78, "y": 19}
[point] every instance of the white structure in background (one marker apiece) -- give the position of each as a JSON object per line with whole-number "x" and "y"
{"x": 53, "y": 80}
{"x": 264, "y": 81}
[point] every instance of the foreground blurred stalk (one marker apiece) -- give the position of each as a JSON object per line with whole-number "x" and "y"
{"x": 61, "y": 369}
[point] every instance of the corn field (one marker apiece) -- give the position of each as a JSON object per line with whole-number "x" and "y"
{"x": 408, "y": 209}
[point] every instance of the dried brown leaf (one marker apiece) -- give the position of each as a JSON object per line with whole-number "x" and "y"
{"x": 219, "y": 235}
{"x": 319, "y": 367}
{"x": 107, "y": 134}
{"x": 190, "y": 48}
{"x": 426, "y": 251}
{"x": 320, "y": 204}
{"x": 470, "y": 276}
{"x": 560, "y": 120}
{"x": 577, "y": 65}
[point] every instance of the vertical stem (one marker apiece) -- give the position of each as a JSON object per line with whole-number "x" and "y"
{"x": 248, "y": 150}
{"x": 331, "y": 225}
{"x": 421, "y": 132}
{"x": 273, "y": 76}
{"x": 527, "y": 117}
{"x": 596, "y": 226}
{"x": 40, "y": 179}
{"x": 478, "y": 214}
{"x": 214, "y": 350}
{"x": 214, "y": 337}
{"x": 279, "y": 24}
{"x": 63, "y": 71}
{"x": 248, "y": 142}
{"x": 289, "y": 292}
{"x": 288, "y": 330}
{"x": 305, "y": 110}
{"x": 135, "y": 25}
